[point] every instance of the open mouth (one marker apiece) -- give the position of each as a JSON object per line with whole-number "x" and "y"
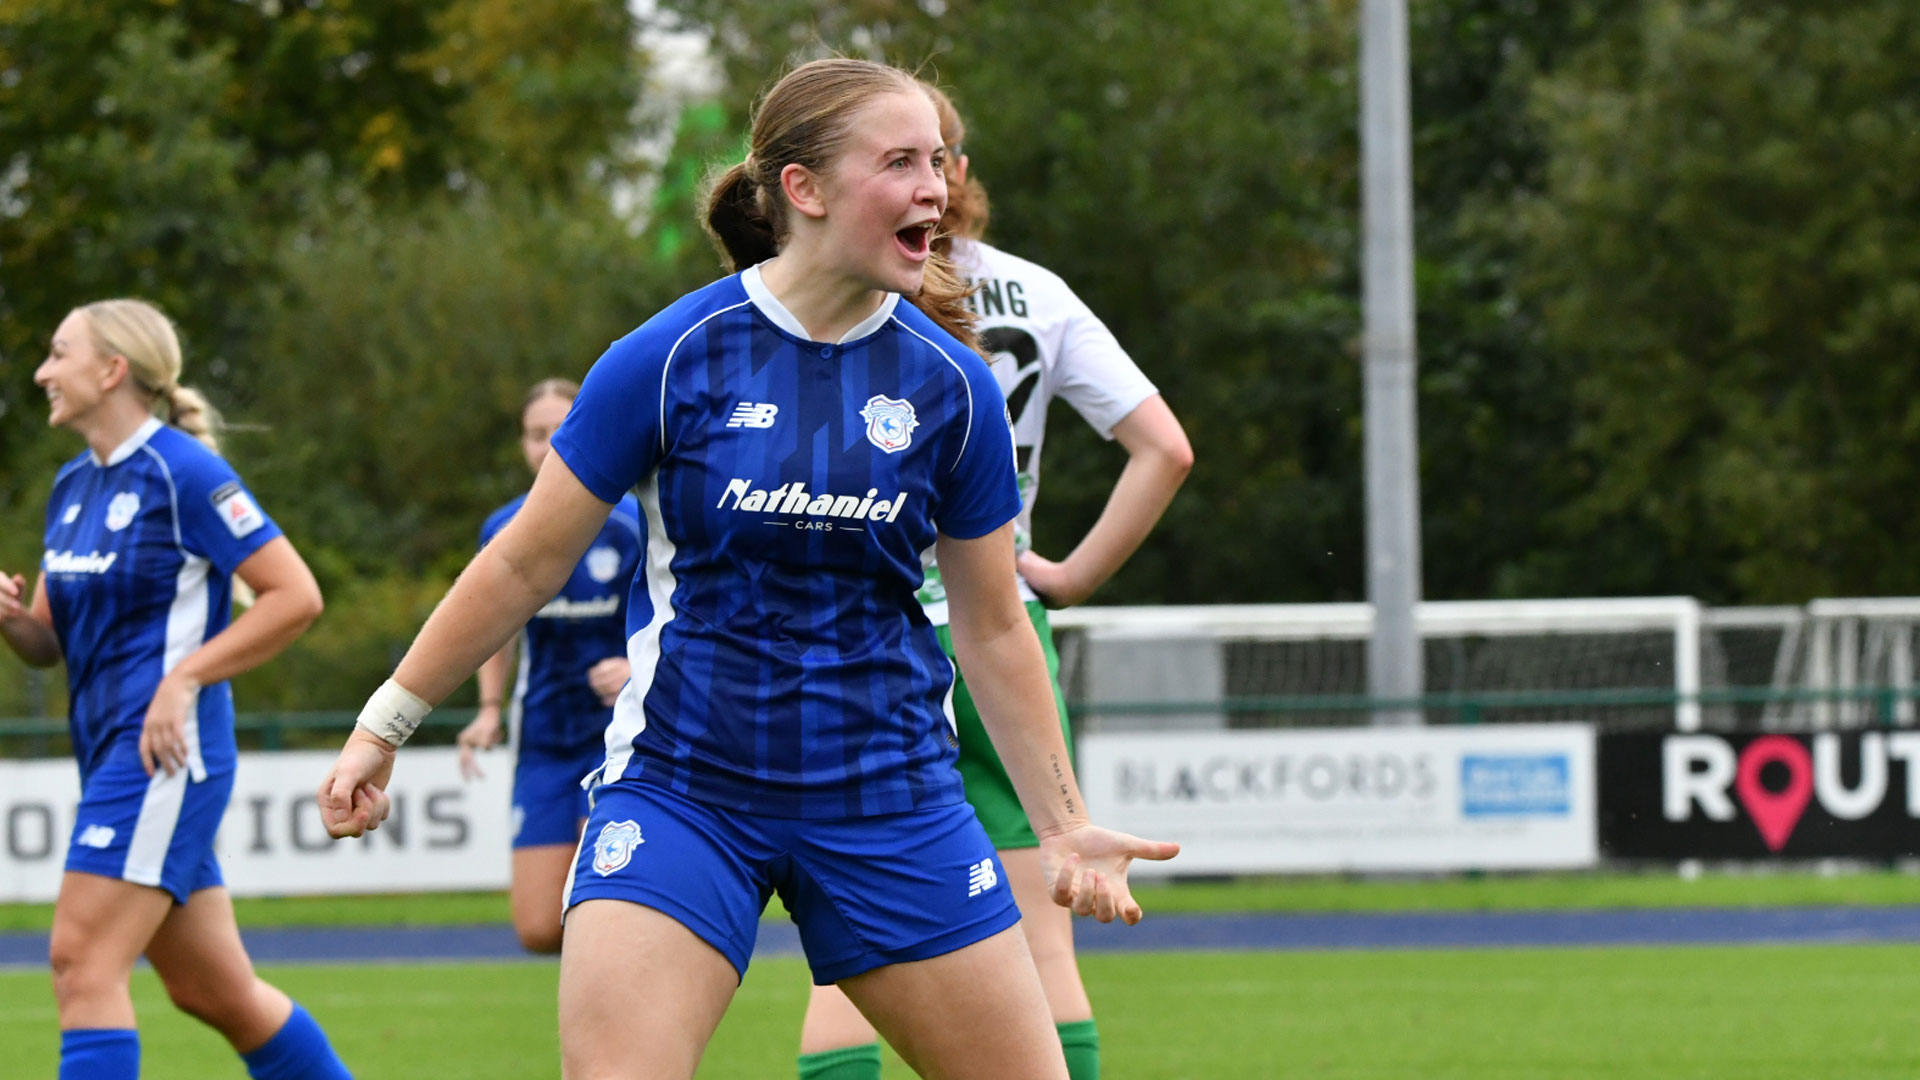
{"x": 915, "y": 240}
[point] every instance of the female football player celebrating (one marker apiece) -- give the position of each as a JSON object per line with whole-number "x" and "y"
{"x": 800, "y": 434}
{"x": 145, "y": 532}
{"x": 1043, "y": 342}
{"x": 572, "y": 665}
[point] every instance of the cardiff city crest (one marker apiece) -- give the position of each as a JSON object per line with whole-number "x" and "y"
{"x": 603, "y": 563}
{"x": 890, "y": 422}
{"x": 121, "y": 510}
{"x": 614, "y": 848}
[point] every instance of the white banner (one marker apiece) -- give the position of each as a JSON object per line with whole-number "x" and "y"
{"x": 1493, "y": 797}
{"x": 444, "y": 833}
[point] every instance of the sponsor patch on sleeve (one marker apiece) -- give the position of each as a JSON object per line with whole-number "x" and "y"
{"x": 237, "y": 509}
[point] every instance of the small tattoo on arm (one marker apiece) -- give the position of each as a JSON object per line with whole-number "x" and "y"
{"x": 1060, "y": 777}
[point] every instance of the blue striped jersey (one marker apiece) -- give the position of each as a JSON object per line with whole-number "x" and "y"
{"x": 788, "y": 489}
{"x": 554, "y": 707}
{"x": 139, "y": 561}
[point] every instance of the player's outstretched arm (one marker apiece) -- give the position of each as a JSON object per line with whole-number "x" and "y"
{"x": 504, "y": 585}
{"x": 994, "y": 643}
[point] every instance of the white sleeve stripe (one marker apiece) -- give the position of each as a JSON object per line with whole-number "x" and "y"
{"x": 173, "y": 497}
{"x": 965, "y": 432}
{"x": 669, "y": 364}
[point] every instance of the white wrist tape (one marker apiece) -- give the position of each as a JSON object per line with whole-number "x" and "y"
{"x": 393, "y": 712}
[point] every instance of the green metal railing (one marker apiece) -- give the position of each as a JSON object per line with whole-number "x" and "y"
{"x": 1472, "y": 707}
{"x": 39, "y": 737}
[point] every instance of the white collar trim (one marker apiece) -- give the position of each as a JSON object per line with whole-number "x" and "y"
{"x": 777, "y": 312}
{"x": 134, "y": 442}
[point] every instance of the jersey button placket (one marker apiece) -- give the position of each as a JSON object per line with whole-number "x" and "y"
{"x": 826, "y": 352}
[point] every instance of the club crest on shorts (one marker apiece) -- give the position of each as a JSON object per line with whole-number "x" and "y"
{"x": 890, "y": 422}
{"x": 121, "y": 510}
{"x": 603, "y": 563}
{"x": 614, "y": 847}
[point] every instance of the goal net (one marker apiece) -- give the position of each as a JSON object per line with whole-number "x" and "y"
{"x": 1655, "y": 662}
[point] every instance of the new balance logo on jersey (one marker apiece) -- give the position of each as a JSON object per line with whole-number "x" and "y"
{"x": 752, "y": 414}
{"x": 796, "y": 499}
{"x": 980, "y": 877}
{"x": 66, "y": 562}
{"x": 96, "y": 836}
{"x": 562, "y": 608}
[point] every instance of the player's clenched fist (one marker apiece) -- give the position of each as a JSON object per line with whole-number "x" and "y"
{"x": 353, "y": 797}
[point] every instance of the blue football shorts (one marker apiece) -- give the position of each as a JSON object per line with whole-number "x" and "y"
{"x": 548, "y": 803}
{"x": 154, "y": 830}
{"x": 865, "y": 892}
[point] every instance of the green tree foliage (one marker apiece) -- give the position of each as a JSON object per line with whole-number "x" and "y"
{"x": 373, "y": 223}
{"x": 1728, "y": 251}
{"x": 1201, "y": 197}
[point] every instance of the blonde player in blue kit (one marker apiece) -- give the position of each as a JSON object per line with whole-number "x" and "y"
{"x": 1043, "y": 342}
{"x": 800, "y": 432}
{"x": 572, "y": 665}
{"x": 145, "y": 532}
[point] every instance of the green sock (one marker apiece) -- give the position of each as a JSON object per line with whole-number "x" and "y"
{"x": 1081, "y": 1040}
{"x": 847, "y": 1063}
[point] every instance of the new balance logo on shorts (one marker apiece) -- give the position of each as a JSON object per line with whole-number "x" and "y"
{"x": 96, "y": 836}
{"x": 980, "y": 877}
{"x": 752, "y": 414}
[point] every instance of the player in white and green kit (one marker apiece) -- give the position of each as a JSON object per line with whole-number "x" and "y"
{"x": 1043, "y": 342}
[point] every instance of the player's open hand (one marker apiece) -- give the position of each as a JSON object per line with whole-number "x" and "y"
{"x": 353, "y": 798}
{"x": 1087, "y": 870}
{"x": 482, "y": 733}
{"x": 163, "y": 737}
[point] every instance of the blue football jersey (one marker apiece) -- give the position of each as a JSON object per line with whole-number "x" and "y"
{"x": 554, "y": 707}
{"x": 788, "y": 489}
{"x": 140, "y": 554}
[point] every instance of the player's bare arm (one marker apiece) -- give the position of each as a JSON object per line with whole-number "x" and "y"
{"x": 995, "y": 646}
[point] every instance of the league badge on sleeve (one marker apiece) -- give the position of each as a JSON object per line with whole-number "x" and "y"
{"x": 890, "y": 422}
{"x": 236, "y": 509}
{"x": 614, "y": 848}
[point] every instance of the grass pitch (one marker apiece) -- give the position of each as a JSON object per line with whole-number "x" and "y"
{"x": 1520, "y": 1014}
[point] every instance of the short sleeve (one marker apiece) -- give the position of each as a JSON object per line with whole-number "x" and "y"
{"x": 1095, "y": 375}
{"x": 220, "y": 520}
{"x": 611, "y": 436}
{"x": 982, "y": 489}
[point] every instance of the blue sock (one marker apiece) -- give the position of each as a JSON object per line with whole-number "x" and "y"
{"x": 100, "y": 1054}
{"x": 298, "y": 1051}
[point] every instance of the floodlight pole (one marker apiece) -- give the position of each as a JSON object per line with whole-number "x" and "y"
{"x": 1394, "y": 664}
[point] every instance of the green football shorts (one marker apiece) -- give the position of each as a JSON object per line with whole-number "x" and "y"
{"x": 988, "y": 788}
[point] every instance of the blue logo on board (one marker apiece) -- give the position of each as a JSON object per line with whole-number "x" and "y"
{"x": 1511, "y": 784}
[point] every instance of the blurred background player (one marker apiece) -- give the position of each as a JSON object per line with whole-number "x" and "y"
{"x": 145, "y": 531}
{"x": 1042, "y": 341}
{"x": 801, "y": 435}
{"x": 572, "y": 665}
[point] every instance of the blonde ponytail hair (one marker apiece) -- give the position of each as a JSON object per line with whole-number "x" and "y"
{"x": 141, "y": 333}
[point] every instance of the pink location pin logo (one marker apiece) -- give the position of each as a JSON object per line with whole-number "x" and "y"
{"x": 1775, "y": 813}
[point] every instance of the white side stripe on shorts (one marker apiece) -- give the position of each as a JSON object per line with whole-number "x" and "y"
{"x": 153, "y": 833}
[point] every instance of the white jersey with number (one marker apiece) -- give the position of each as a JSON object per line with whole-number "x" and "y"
{"x": 1042, "y": 341}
